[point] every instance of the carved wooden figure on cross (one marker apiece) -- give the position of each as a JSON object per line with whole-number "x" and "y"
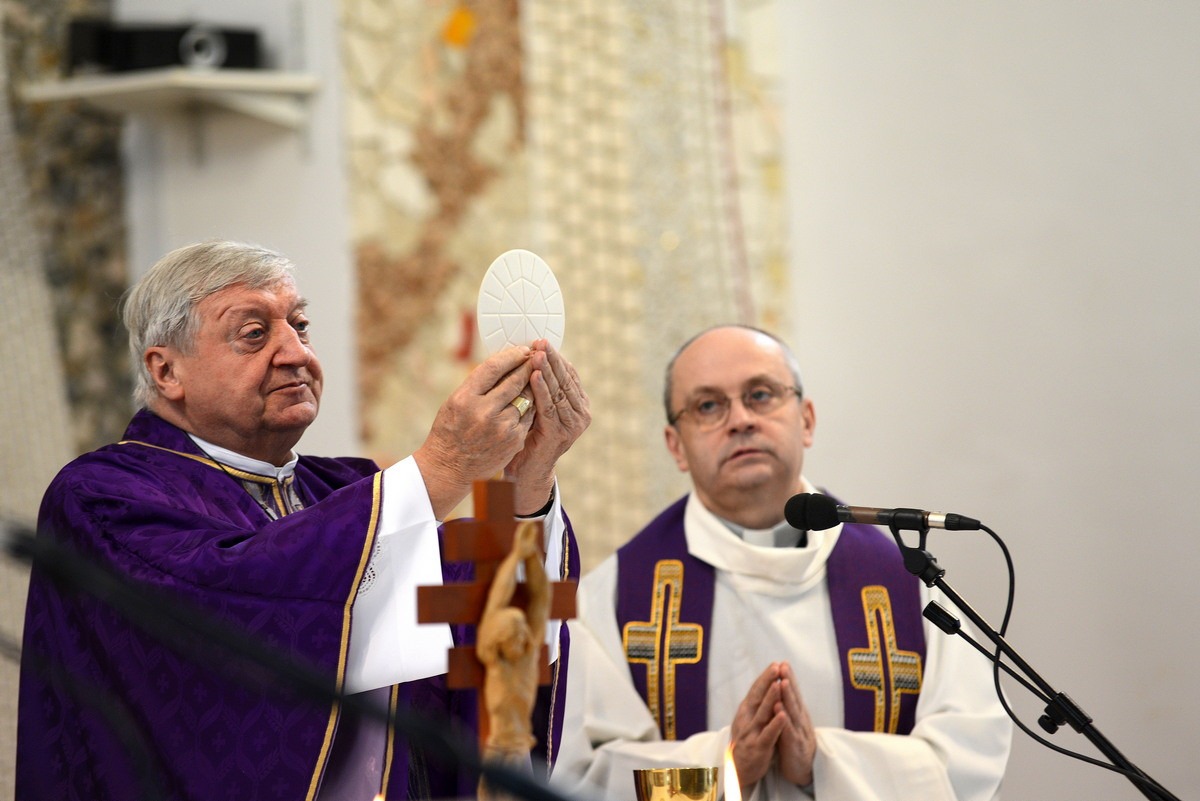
{"x": 495, "y": 542}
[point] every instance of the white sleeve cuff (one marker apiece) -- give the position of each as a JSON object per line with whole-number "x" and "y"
{"x": 554, "y": 529}
{"x": 387, "y": 645}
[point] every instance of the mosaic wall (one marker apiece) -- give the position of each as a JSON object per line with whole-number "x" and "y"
{"x": 59, "y": 206}
{"x": 649, "y": 125}
{"x": 71, "y": 159}
{"x": 439, "y": 187}
{"x": 633, "y": 145}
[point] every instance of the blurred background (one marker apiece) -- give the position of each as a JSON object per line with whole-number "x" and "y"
{"x": 976, "y": 223}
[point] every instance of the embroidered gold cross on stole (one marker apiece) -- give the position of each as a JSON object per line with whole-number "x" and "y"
{"x": 882, "y": 666}
{"x": 663, "y": 642}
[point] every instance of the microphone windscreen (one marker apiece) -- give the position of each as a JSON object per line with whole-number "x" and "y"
{"x": 811, "y": 512}
{"x": 795, "y": 511}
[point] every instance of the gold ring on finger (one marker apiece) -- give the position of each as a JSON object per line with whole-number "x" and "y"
{"x": 522, "y": 403}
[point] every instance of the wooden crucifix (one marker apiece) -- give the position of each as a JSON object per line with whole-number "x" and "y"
{"x": 484, "y": 540}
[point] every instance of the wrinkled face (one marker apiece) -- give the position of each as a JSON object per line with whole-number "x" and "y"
{"x": 251, "y": 382}
{"x": 746, "y": 468}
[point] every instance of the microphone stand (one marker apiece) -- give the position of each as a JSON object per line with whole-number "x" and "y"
{"x": 1061, "y": 708}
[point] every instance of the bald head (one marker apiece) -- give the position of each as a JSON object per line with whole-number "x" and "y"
{"x": 738, "y": 423}
{"x": 765, "y": 338}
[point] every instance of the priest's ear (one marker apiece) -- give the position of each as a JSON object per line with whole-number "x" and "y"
{"x": 808, "y": 414}
{"x": 162, "y": 364}
{"x": 675, "y": 446}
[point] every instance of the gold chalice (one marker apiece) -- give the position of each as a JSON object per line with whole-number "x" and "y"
{"x": 676, "y": 784}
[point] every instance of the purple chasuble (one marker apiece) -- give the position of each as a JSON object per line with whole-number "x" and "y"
{"x": 154, "y": 509}
{"x": 664, "y": 609}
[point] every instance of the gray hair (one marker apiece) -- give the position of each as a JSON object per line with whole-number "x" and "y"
{"x": 789, "y": 359}
{"x": 160, "y": 309}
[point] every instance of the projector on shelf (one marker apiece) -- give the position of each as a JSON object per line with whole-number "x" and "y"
{"x": 97, "y": 46}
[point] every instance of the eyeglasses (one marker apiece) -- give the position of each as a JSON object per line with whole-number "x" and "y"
{"x": 710, "y": 409}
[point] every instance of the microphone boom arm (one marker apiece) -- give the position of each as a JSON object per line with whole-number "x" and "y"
{"x": 1061, "y": 708}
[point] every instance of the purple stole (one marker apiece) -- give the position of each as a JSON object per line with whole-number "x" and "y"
{"x": 664, "y": 609}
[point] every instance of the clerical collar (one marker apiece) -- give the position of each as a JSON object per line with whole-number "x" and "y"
{"x": 239, "y": 462}
{"x": 781, "y": 535}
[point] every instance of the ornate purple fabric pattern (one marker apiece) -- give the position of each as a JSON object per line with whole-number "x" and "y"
{"x": 153, "y": 509}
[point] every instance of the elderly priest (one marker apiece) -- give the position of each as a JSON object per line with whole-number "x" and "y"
{"x": 206, "y": 499}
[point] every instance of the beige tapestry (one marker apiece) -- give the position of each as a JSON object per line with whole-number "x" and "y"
{"x": 632, "y": 145}
{"x": 69, "y": 154}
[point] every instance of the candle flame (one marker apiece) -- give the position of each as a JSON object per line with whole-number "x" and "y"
{"x": 733, "y": 789}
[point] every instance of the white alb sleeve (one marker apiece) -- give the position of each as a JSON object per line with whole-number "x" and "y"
{"x": 387, "y": 645}
{"x": 554, "y": 530}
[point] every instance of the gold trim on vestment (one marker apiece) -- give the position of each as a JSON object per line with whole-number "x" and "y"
{"x": 666, "y": 634}
{"x": 364, "y": 558}
{"x": 867, "y": 665}
{"x": 233, "y": 471}
{"x": 391, "y": 739}
{"x": 563, "y": 570}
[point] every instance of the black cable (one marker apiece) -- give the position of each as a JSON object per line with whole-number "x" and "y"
{"x": 174, "y": 623}
{"x": 1136, "y": 775}
{"x": 945, "y": 621}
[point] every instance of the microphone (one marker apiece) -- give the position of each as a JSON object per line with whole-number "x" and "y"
{"x": 813, "y": 512}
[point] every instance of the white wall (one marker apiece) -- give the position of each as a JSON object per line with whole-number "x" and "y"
{"x": 234, "y": 177}
{"x": 996, "y": 216}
